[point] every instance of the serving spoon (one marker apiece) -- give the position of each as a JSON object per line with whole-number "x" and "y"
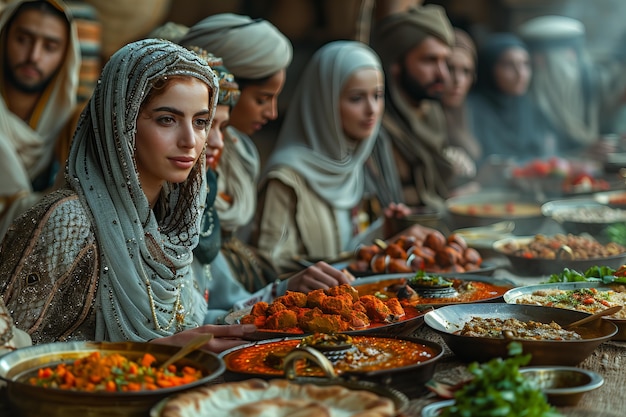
{"x": 594, "y": 316}
{"x": 189, "y": 347}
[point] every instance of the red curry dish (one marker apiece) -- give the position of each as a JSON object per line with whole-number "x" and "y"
{"x": 367, "y": 306}
{"x": 366, "y": 354}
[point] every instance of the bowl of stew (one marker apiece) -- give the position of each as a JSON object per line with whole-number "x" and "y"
{"x": 374, "y": 358}
{"x": 480, "y": 332}
{"x": 78, "y": 378}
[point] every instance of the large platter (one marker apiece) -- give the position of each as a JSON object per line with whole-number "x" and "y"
{"x": 486, "y": 268}
{"x": 33, "y": 401}
{"x": 512, "y": 297}
{"x": 449, "y": 320}
{"x": 257, "y": 396}
{"x": 384, "y": 359}
{"x": 415, "y": 316}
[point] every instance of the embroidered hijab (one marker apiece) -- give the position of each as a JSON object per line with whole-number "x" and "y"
{"x": 145, "y": 261}
{"x": 311, "y": 140}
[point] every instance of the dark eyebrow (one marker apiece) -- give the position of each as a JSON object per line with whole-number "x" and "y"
{"x": 178, "y": 112}
{"x": 26, "y": 31}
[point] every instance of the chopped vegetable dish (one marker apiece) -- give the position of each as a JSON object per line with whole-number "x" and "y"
{"x": 113, "y": 373}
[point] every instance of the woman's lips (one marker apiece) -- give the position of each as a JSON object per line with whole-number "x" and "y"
{"x": 183, "y": 162}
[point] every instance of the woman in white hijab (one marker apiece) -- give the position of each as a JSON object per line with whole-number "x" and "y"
{"x": 314, "y": 178}
{"x": 108, "y": 256}
{"x": 258, "y": 54}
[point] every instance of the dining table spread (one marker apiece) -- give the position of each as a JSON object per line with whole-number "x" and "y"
{"x": 607, "y": 360}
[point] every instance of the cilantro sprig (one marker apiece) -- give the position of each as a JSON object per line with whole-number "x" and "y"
{"x": 498, "y": 389}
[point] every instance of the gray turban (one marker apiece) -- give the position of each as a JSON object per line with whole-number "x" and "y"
{"x": 395, "y": 35}
{"x": 250, "y": 48}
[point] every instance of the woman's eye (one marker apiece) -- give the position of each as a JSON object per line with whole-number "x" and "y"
{"x": 166, "y": 120}
{"x": 202, "y": 123}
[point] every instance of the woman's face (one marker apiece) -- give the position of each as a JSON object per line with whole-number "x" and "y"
{"x": 512, "y": 72}
{"x": 361, "y": 103}
{"x": 172, "y": 131}
{"x": 258, "y": 104}
{"x": 462, "y": 68}
{"x": 215, "y": 140}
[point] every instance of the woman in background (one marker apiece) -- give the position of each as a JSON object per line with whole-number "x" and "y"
{"x": 314, "y": 179}
{"x": 503, "y": 117}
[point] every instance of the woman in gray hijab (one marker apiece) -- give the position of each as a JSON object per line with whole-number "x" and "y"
{"x": 314, "y": 179}
{"x": 108, "y": 256}
{"x": 258, "y": 54}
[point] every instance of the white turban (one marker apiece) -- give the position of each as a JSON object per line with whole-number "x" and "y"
{"x": 250, "y": 48}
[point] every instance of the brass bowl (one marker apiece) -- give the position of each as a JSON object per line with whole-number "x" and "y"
{"x": 449, "y": 320}
{"x": 563, "y": 385}
{"x": 33, "y": 401}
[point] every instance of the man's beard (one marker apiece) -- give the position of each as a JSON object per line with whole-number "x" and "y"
{"x": 416, "y": 91}
{"x": 11, "y": 79}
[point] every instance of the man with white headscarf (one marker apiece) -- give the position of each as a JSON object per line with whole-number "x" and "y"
{"x": 36, "y": 98}
{"x": 575, "y": 93}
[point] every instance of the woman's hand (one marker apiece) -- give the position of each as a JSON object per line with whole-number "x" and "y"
{"x": 320, "y": 275}
{"x": 224, "y": 336}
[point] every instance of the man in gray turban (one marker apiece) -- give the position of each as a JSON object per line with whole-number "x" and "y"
{"x": 409, "y": 163}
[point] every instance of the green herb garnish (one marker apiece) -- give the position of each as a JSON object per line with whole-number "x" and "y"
{"x": 498, "y": 389}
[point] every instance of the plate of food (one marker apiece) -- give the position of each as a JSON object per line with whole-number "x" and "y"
{"x": 383, "y": 304}
{"x": 539, "y": 254}
{"x": 480, "y": 332}
{"x": 588, "y": 297}
{"x": 104, "y": 384}
{"x": 433, "y": 252}
{"x": 281, "y": 397}
{"x": 373, "y": 358}
{"x": 334, "y": 310}
{"x": 488, "y": 207}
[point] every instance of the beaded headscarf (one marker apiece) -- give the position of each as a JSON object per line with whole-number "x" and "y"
{"x": 229, "y": 89}
{"x": 145, "y": 288}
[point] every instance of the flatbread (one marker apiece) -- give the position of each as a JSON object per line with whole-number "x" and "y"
{"x": 277, "y": 398}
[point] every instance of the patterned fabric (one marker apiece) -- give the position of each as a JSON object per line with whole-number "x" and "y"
{"x": 109, "y": 237}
